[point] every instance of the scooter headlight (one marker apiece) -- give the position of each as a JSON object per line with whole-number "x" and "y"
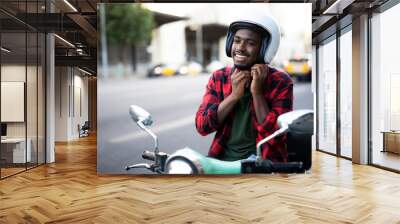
{"x": 184, "y": 161}
{"x": 180, "y": 166}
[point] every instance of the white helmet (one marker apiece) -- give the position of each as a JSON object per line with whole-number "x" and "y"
{"x": 260, "y": 23}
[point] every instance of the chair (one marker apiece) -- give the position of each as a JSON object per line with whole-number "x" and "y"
{"x": 84, "y": 130}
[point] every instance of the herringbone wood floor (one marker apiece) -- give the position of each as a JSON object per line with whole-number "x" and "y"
{"x": 70, "y": 191}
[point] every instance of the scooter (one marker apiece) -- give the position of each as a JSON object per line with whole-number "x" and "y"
{"x": 297, "y": 124}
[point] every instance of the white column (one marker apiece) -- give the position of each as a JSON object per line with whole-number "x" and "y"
{"x": 50, "y": 99}
{"x": 314, "y": 91}
{"x": 360, "y": 90}
{"x": 199, "y": 44}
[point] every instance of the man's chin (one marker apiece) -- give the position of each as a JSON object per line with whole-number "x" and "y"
{"x": 243, "y": 66}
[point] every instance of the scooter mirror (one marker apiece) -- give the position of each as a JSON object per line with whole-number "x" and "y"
{"x": 295, "y": 117}
{"x": 143, "y": 118}
{"x": 139, "y": 114}
{"x": 303, "y": 124}
{"x": 300, "y": 119}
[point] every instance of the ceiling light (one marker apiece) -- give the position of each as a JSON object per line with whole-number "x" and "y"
{"x": 5, "y": 50}
{"x": 337, "y": 7}
{"x": 84, "y": 71}
{"x": 65, "y": 41}
{"x": 70, "y": 5}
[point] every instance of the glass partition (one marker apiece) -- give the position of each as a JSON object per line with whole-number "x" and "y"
{"x": 22, "y": 89}
{"x": 13, "y": 108}
{"x": 327, "y": 96}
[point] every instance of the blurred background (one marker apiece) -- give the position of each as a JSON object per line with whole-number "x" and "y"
{"x": 158, "y": 39}
{"x": 160, "y": 57}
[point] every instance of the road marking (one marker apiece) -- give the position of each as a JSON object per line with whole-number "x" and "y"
{"x": 157, "y": 130}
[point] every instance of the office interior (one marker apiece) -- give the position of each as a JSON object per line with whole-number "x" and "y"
{"x": 48, "y": 70}
{"x": 48, "y": 81}
{"x": 357, "y": 83}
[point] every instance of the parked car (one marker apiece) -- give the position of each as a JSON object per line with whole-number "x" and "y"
{"x": 191, "y": 68}
{"x": 214, "y": 65}
{"x": 162, "y": 70}
{"x": 299, "y": 68}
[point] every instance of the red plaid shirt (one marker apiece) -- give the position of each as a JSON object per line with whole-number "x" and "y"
{"x": 279, "y": 96}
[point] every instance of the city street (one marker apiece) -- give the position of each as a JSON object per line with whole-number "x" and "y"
{"x": 172, "y": 102}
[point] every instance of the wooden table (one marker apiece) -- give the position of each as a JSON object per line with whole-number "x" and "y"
{"x": 14, "y": 149}
{"x": 391, "y": 141}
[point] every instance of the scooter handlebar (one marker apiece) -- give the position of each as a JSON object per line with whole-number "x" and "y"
{"x": 149, "y": 155}
{"x": 267, "y": 166}
{"x": 291, "y": 167}
{"x": 214, "y": 166}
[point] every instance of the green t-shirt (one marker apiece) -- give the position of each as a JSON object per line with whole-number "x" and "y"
{"x": 242, "y": 142}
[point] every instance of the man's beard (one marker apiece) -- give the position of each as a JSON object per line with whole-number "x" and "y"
{"x": 244, "y": 66}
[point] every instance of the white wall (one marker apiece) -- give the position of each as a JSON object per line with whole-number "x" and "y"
{"x": 168, "y": 44}
{"x": 61, "y": 103}
{"x": 70, "y": 83}
{"x": 14, "y": 73}
{"x": 80, "y": 109}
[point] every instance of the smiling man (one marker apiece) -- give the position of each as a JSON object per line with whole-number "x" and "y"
{"x": 242, "y": 103}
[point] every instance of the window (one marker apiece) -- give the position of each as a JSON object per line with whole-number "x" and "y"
{"x": 385, "y": 84}
{"x": 327, "y": 96}
{"x": 346, "y": 94}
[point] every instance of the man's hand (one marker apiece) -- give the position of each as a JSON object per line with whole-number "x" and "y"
{"x": 240, "y": 79}
{"x": 259, "y": 74}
